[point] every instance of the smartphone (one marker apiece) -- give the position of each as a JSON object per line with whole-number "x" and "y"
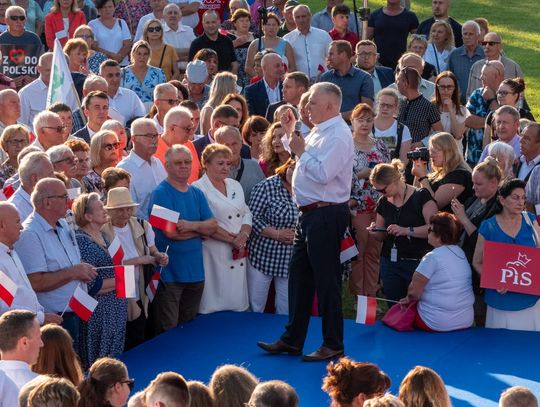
{"x": 378, "y": 230}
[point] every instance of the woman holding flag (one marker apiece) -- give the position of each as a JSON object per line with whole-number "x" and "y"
{"x": 103, "y": 334}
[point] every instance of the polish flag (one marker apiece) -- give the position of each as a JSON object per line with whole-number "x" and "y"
{"x": 348, "y": 248}
{"x": 163, "y": 218}
{"x": 73, "y": 193}
{"x": 6, "y": 192}
{"x": 8, "y": 289}
{"x": 366, "y": 310}
{"x": 125, "y": 281}
{"x": 116, "y": 252}
{"x": 82, "y": 304}
{"x": 537, "y": 207}
{"x": 152, "y": 286}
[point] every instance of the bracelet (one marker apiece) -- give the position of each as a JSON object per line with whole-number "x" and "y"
{"x": 422, "y": 178}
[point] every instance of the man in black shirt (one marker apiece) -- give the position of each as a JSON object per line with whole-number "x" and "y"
{"x": 211, "y": 38}
{"x": 440, "y": 9}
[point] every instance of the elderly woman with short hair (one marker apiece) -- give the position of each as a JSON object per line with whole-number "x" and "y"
{"x": 76, "y": 50}
{"x": 81, "y": 149}
{"x": 14, "y": 138}
{"x": 104, "y": 333}
{"x": 64, "y": 161}
{"x": 114, "y": 177}
{"x": 104, "y": 153}
{"x": 120, "y": 131}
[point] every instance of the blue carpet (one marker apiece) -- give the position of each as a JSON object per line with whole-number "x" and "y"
{"x": 476, "y": 364}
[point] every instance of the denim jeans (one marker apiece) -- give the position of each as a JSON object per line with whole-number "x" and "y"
{"x": 396, "y": 277}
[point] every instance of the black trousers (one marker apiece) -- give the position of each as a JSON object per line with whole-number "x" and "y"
{"x": 315, "y": 267}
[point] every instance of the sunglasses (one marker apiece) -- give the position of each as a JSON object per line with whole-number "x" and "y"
{"x": 154, "y": 29}
{"x": 381, "y": 191}
{"x": 490, "y": 43}
{"x": 172, "y": 102}
{"x": 129, "y": 382}
{"x": 15, "y": 18}
{"x": 111, "y": 146}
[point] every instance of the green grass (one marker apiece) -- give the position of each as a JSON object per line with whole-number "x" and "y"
{"x": 518, "y": 21}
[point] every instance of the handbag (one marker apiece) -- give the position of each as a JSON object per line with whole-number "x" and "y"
{"x": 401, "y": 319}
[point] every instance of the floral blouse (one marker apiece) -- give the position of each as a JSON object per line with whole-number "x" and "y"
{"x": 6, "y": 172}
{"x": 95, "y": 61}
{"x": 132, "y": 13}
{"x": 361, "y": 189}
{"x": 145, "y": 90}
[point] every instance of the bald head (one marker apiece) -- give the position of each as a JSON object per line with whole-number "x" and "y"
{"x": 10, "y": 224}
{"x": 272, "y": 67}
{"x": 44, "y": 67}
{"x": 45, "y": 191}
{"x": 412, "y": 60}
{"x": 492, "y": 45}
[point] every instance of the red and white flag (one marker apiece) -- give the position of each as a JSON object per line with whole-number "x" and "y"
{"x": 348, "y": 248}
{"x": 366, "y": 310}
{"x": 125, "y": 281}
{"x": 163, "y": 218}
{"x": 73, "y": 193}
{"x": 537, "y": 207}
{"x": 152, "y": 286}
{"x": 6, "y": 192}
{"x": 116, "y": 252}
{"x": 8, "y": 289}
{"x": 82, "y": 304}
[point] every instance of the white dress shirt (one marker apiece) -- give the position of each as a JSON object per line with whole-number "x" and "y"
{"x": 324, "y": 171}
{"x": 309, "y": 50}
{"x": 23, "y": 203}
{"x": 179, "y": 39}
{"x": 25, "y": 298}
{"x": 145, "y": 177}
{"x": 33, "y": 100}
{"x": 273, "y": 94}
{"x": 9, "y": 391}
{"x": 159, "y": 127}
{"x": 18, "y": 371}
{"x": 527, "y": 167}
{"x": 128, "y": 104}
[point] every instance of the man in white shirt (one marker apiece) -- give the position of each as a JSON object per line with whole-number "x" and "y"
{"x": 34, "y": 95}
{"x": 49, "y": 130}
{"x": 32, "y": 168}
{"x": 124, "y": 101}
{"x": 321, "y": 184}
{"x": 310, "y": 44}
{"x": 157, "y": 7}
{"x": 10, "y": 264}
{"x": 530, "y": 151}
{"x": 177, "y": 34}
{"x": 506, "y": 119}
{"x": 20, "y": 342}
{"x": 146, "y": 171}
{"x": 10, "y": 108}
{"x": 165, "y": 98}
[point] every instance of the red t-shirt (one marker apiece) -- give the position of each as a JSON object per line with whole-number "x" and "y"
{"x": 219, "y": 6}
{"x": 349, "y": 36}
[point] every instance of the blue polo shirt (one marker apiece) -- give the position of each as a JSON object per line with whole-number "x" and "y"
{"x": 185, "y": 256}
{"x": 354, "y": 84}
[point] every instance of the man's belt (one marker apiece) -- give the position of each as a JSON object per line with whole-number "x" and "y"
{"x": 317, "y": 205}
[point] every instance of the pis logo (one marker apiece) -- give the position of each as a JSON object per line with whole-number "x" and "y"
{"x": 515, "y": 273}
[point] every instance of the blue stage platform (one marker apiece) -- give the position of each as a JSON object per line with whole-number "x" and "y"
{"x": 476, "y": 364}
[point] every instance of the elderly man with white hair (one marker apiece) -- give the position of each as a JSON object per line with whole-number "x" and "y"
{"x": 165, "y": 98}
{"x": 48, "y": 128}
{"x": 179, "y": 129}
{"x": 33, "y": 167}
{"x": 176, "y": 34}
{"x": 34, "y": 95}
{"x": 145, "y": 169}
{"x": 64, "y": 162}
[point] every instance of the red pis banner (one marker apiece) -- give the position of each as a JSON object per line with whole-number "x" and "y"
{"x": 511, "y": 266}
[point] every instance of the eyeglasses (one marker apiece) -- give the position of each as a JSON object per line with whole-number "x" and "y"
{"x": 15, "y": 18}
{"x": 446, "y": 87}
{"x": 367, "y": 54}
{"x": 154, "y": 29}
{"x": 381, "y": 191}
{"x": 386, "y": 106}
{"x": 504, "y": 93}
{"x": 490, "y": 43}
{"x": 187, "y": 128}
{"x": 150, "y": 136}
{"x": 58, "y": 129}
{"x": 15, "y": 142}
{"x": 64, "y": 197}
{"x": 129, "y": 382}
{"x": 69, "y": 160}
{"x": 111, "y": 146}
{"x": 172, "y": 102}
{"x": 83, "y": 161}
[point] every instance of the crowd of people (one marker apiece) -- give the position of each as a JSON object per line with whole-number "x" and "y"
{"x": 273, "y": 134}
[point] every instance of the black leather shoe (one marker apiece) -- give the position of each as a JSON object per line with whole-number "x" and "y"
{"x": 279, "y": 347}
{"x": 323, "y": 353}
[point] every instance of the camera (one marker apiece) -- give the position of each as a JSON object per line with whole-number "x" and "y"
{"x": 263, "y": 14}
{"x": 420, "y": 153}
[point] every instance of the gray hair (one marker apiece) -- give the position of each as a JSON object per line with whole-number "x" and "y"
{"x": 31, "y": 165}
{"x": 4, "y": 93}
{"x": 176, "y": 148}
{"x": 328, "y": 89}
{"x": 111, "y": 124}
{"x": 173, "y": 114}
{"x": 302, "y": 6}
{"x": 27, "y": 150}
{"x": 506, "y": 151}
{"x": 41, "y": 119}
{"x": 474, "y": 24}
{"x": 171, "y": 5}
{"x": 57, "y": 153}
{"x": 160, "y": 89}
{"x": 141, "y": 122}
{"x": 43, "y": 57}
{"x": 92, "y": 81}
{"x": 11, "y": 9}
{"x": 41, "y": 190}
{"x": 511, "y": 110}
{"x": 243, "y": 4}
{"x": 219, "y": 133}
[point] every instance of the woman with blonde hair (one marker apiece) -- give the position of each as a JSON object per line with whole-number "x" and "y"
{"x": 440, "y": 44}
{"x": 62, "y": 21}
{"x": 232, "y": 385}
{"x": 201, "y": 395}
{"x": 162, "y": 56}
{"x": 104, "y": 153}
{"x": 223, "y": 84}
{"x": 273, "y": 154}
{"x": 351, "y": 383}
{"x": 450, "y": 176}
{"x": 422, "y": 387}
{"x": 57, "y": 356}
